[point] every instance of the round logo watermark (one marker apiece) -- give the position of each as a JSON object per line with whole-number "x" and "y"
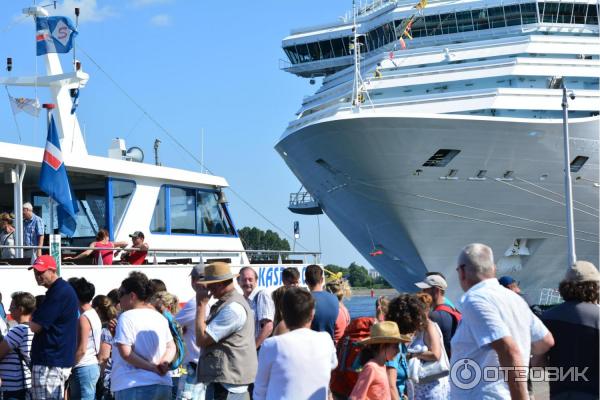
{"x": 465, "y": 374}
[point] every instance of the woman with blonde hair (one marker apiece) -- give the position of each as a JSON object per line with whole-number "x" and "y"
{"x": 341, "y": 289}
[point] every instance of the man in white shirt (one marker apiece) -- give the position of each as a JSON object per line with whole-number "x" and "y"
{"x": 260, "y": 302}
{"x": 498, "y": 332}
{"x": 298, "y": 364}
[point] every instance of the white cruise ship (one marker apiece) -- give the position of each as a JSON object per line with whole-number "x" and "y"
{"x": 450, "y": 132}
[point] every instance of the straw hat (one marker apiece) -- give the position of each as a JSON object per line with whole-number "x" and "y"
{"x": 217, "y": 272}
{"x": 386, "y": 332}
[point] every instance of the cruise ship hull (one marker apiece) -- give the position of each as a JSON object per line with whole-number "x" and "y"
{"x": 504, "y": 188}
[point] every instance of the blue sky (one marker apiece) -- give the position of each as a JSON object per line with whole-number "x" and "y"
{"x": 192, "y": 65}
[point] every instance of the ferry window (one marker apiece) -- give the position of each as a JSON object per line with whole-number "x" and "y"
{"x": 380, "y": 37}
{"x": 182, "y": 210}
{"x": 418, "y": 28}
{"x": 346, "y": 43}
{"x": 579, "y": 13}
{"x": 302, "y": 51}
{"x": 578, "y": 163}
{"x": 513, "y": 15}
{"x": 496, "y": 15}
{"x": 480, "y": 19}
{"x": 371, "y": 39}
{"x": 464, "y": 21}
{"x": 529, "y": 13}
{"x": 292, "y": 55}
{"x": 565, "y": 11}
{"x": 549, "y": 11}
{"x": 211, "y": 217}
{"x": 122, "y": 192}
{"x": 338, "y": 47}
{"x": 432, "y": 23}
{"x": 448, "y": 23}
{"x": 159, "y": 218}
{"x": 313, "y": 50}
{"x": 388, "y": 33}
{"x": 326, "y": 49}
{"x": 592, "y": 14}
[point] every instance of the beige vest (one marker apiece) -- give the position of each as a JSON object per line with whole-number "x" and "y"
{"x": 232, "y": 360}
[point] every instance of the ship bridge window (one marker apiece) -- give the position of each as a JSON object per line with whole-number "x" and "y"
{"x": 548, "y": 12}
{"x": 579, "y": 12}
{"x": 449, "y": 23}
{"x": 480, "y": 19}
{"x": 513, "y": 15}
{"x": 565, "y": 11}
{"x": 464, "y": 21}
{"x": 122, "y": 191}
{"x": 433, "y": 25}
{"x": 578, "y": 163}
{"x": 529, "y": 13}
{"x": 326, "y": 49}
{"x": 190, "y": 211}
{"x": 338, "y": 47}
{"x": 496, "y": 17}
{"x": 441, "y": 158}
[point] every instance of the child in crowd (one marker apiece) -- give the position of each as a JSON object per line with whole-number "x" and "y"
{"x": 381, "y": 346}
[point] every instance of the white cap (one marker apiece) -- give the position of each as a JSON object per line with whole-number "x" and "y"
{"x": 432, "y": 281}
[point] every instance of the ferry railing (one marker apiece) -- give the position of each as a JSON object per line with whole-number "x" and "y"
{"x": 156, "y": 254}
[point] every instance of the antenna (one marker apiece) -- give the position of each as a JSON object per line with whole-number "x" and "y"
{"x": 156, "y": 146}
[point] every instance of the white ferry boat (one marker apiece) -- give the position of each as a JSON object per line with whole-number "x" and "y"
{"x": 439, "y": 123}
{"x": 183, "y": 214}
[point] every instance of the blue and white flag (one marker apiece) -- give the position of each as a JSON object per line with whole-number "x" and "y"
{"x": 54, "y": 35}
{"x": 55, "y": 183}
{"x": 30, "y": 106}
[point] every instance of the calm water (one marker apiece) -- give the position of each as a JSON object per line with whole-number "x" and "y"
{"x": 361, "y": 306}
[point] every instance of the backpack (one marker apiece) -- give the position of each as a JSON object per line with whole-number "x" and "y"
{"x": 177, "y": 335}
{"x": 345, "y": 375}
{"x": 456, "y": 315}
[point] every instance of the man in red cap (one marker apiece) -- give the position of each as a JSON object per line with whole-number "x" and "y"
{"x": 54, "y": 323}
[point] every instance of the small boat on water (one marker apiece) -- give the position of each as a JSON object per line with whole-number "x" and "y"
{"x": 183, "y": 213}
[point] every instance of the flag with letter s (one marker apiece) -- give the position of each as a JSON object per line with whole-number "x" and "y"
{"x": 54, "y": 35}
{"x": 54, "y": 181}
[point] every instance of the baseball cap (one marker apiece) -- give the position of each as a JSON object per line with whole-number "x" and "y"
{"x": 137, "y": 234}
{"x": 44, "y": 263}
{"x": 197, "y": 271}
{"x": 432, "y": 281}
{"x": 506, "y": 280}
{"x": 583, "y": 271}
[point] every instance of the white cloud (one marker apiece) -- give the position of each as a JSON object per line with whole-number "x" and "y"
{"x": 89, "y": 10}
{"x": 146, "y": 3}
{"x": 161, "y": 20}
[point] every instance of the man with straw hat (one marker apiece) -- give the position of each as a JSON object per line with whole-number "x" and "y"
{"x": 380, "y": 347}
{"x": 228, "y": 361}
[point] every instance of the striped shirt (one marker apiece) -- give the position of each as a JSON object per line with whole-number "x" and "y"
{"x": 11, "y": 368}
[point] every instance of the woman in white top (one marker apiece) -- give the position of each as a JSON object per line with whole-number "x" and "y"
{"x": 86, "y": 371}
{"x": 144, "y": 345}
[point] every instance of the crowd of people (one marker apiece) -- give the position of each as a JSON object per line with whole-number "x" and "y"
{"x": 234, "y": 340}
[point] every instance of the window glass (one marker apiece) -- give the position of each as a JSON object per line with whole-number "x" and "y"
{"x": 579, "y": 13}
{"x": 211, "y": 216}
{"x": 380, "y": 37}
{"x": 496, "y": 15}
{"x": 417, "y": 29}
{"x": 292, "y": 54}
{"x": 549, "y": 12}
{"x": 448, "y": 23}
{"x": 338, "y": 47}
{"x": 480, "y": 19}
{"x": 528, "y": 13}
{"x": 388, "y": 33}
{"x": 371, "y": 40}
{"x": 303, "y": 55}
{"x": 182, "y": 210}
{"x": 565, "y": 11}
{"x": 313, "y": 50}
{"x": 326, "y": 49}
{"x": 513, "y": 15}
{"x": 346, "y": 43}
{"x": 592, "y": 14}
{"x": 122, "y": 192}
{"x": 465, "y": 23}
{"x": 432, "y": 23}
{"x": 159, "y": 218}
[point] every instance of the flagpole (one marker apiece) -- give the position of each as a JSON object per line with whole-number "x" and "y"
{"x": 572, "y": 258}
{"x": 51, "y": 203}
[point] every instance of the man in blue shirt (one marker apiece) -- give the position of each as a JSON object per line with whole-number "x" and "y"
{"x": 33, "y": 231}
{"x": 54, "y": 323}
{"x": 326, "y": 304}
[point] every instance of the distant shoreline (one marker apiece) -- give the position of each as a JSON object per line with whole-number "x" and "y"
{"x": 376, "y": 292}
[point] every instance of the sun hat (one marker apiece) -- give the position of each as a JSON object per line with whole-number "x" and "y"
{"x": 217, "y": 272}
{"x": 385, "y": 332}
{"x": 583, "y": 271}
{"x": 506, "y": 280}
{"x": 44, "y": 263}
{"x": 432, "y": 281}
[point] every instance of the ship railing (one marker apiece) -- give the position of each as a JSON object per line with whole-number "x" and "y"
{"x": 176, "y": 255}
